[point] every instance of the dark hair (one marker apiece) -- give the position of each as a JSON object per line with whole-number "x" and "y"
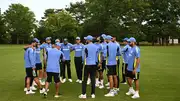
{"x": 32, "y": 41}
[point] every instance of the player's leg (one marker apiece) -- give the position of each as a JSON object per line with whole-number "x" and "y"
{"x": 97, "y": 76}
{"x": 130, "y": 77}
{"x": 110, "y": 77}
{"x": 136, "y": 81}
{"x": 64, "y": 71}
{"x": 28, "y": 80}
{"x": 101, "y": 75}
{"x": 80, "y": 71}
{"x": 84, "y": 83}
{"x": 115, "y": 80}
{"x": 92, "y": 76}
{"x": 69, "y": 70}
{"x": 77, "y": 66}
{"x": 49, "y": 80}
{"x": 57, "y": 84}
{"x": 118, "y": 74}
{"x": 38, "y": 83}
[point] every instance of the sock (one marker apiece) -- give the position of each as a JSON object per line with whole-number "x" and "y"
{"x": 97, "y": 80}
{"x": 137, "y": 92}
{"x": 102, "y": 82}
{"x": 130, "y": 88}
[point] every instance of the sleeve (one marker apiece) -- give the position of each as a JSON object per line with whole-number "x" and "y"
{"x": 31, "y": 57}
{"x": 137, "y": 52}
{"x": 41, "y": 46}
{"x": 73, "y": 47}
{"x": 118, "y": 50}
{"x": 83, "y": 53}
{"x": 62, "y": 56}
{"x": 124, "y": 49}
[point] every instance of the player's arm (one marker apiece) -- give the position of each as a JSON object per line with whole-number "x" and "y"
{"x": 31, "y": 58}
{"x": 62, "y": 58}
{"x": 137, "y": 55}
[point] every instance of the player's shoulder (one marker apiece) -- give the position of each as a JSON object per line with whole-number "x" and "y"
{"x": 136, "y": 49}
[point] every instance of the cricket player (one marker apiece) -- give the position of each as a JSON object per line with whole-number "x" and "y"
{"x": 66, "y": 48}
{"x": 98, "y": 59}
{"x": 46, "y": 46}
{"x": 118, "y": 61}
{"x": 90, "y": 54}
{"x": 113, "y": 50}
{"x": 133, "y": 68}
{"x": 31, "y": 74}
{"x": 78, "y": 60}
{"x": 54, "y": 56}
{"x": 125, "y": 53}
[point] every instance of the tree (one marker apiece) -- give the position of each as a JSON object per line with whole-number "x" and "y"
{"x": 20, "y": 22}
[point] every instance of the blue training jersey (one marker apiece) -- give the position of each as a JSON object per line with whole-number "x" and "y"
{"x": 38, "y": 55}
{"x": 125, "y": 53}
{"x": 66, "y": 49}
{"x": 53, "y": 60}
{"x": 78, "y": 48}
{"x": 134, "y": 52}
{"x": 29, "y": 58}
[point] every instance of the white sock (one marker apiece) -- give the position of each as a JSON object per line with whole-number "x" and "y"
{"x": 97, "y": 80}
{"x": 137, "y": 92}
{"x": 131, "y": 88}
{"x": 102, "y": 82}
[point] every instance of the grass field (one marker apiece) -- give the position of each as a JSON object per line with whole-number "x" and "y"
{"x": 159, "y": 79}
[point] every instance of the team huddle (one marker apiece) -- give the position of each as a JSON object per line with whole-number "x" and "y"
{"x": 94, "y": 58}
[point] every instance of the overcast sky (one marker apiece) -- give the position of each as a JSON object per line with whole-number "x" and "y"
{"x": 37, "y": 6}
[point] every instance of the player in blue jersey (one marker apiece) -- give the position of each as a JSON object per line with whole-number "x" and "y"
{"x": 133, "y": 68}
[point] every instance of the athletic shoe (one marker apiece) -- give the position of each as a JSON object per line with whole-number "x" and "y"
{"x": 101, "y": 86}
{"x": 42, "y": 91}
{"x": 77, "y": 80}
{"x": 25, "y": 89}
{"x": 93, "y": 96}
{"x": 29, "y": 92}
{"x": 115, "y": 91}
{"x": 107, "y": 84}
{"x": 130, "y": 92}
{"x": 80, "y": 81}
{"x": 63, "y": 81}
{"x": 135, "y": 96}
{"x": 56, "y": 96}
{"x": 107, "y": 87}
{"x": 45, "y": 94}
{"x": 70, "y": 80}
{"x": 82, "y": 96}
{"x": 124, "y": 83}
{"x": 42, "y": 82}
{"x": 34, "y": 83}
{"x": 88, "y": 81}
{"x": 110, "y": 94}
{"x": 97, "y": 84}
{"x": 33, "y": 88}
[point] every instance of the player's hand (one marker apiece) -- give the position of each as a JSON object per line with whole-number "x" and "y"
{"x": 99, "y": 65}
{"x": 134, "y": 71}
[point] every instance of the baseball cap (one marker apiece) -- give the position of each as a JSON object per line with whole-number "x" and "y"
{"x": 85, "y": 38}
{"x": 48, "y": 38}
{"x": 103, "y": 35}
{"x": 65, "y": 40}
{"x": 78, "y": 38}
{"x": 36, "y": 40}
{"x": 108, "y": 37}
{"x": 132, "y": 39}
{"x": 57, "y": 40}
{"x": 89, "y": 37}
{"x": 57, "y": 44}
{"x": 125, "y": 39}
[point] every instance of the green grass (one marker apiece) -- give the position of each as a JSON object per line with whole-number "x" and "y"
{"x": 159, "y": 78}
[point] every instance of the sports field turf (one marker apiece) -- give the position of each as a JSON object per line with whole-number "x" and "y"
{"x": 159, "y": 78}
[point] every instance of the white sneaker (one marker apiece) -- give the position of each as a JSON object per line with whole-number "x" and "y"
{"x": 124, "y": 83}
{"x": 34, "y": 83}
{"x": 29, "y": 92}
{"x": 107, "y": 87}
{"x": 33, "y": 88}
{"x": 97, "y": 84}
{"x": 115, "y": 92}
{"x": 93, "y": 96}
{"x": 80, "y": 81}
{"x": 107, "y": 84}
{"x": 101, "y": 86}
{"x": 42, "y": 82}
{"x": 82, "y": 96}
{"x": 135, "y": 96}
{"x": 45, "y": 94}
{"x": 42, "y": 91}
{"x": 63, "y": 81}
{"x": 88, "y": 81}
{"x": 70, "y": 80}
{"x": 56, "y": 96}
{"x": 130, "y": 92}
{"x": 25, "y": 89}
{"x": 110, "y": 94}
{"x": 77, "y": 80}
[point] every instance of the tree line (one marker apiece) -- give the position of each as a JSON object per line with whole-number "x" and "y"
{"x": 147, "y": 20}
